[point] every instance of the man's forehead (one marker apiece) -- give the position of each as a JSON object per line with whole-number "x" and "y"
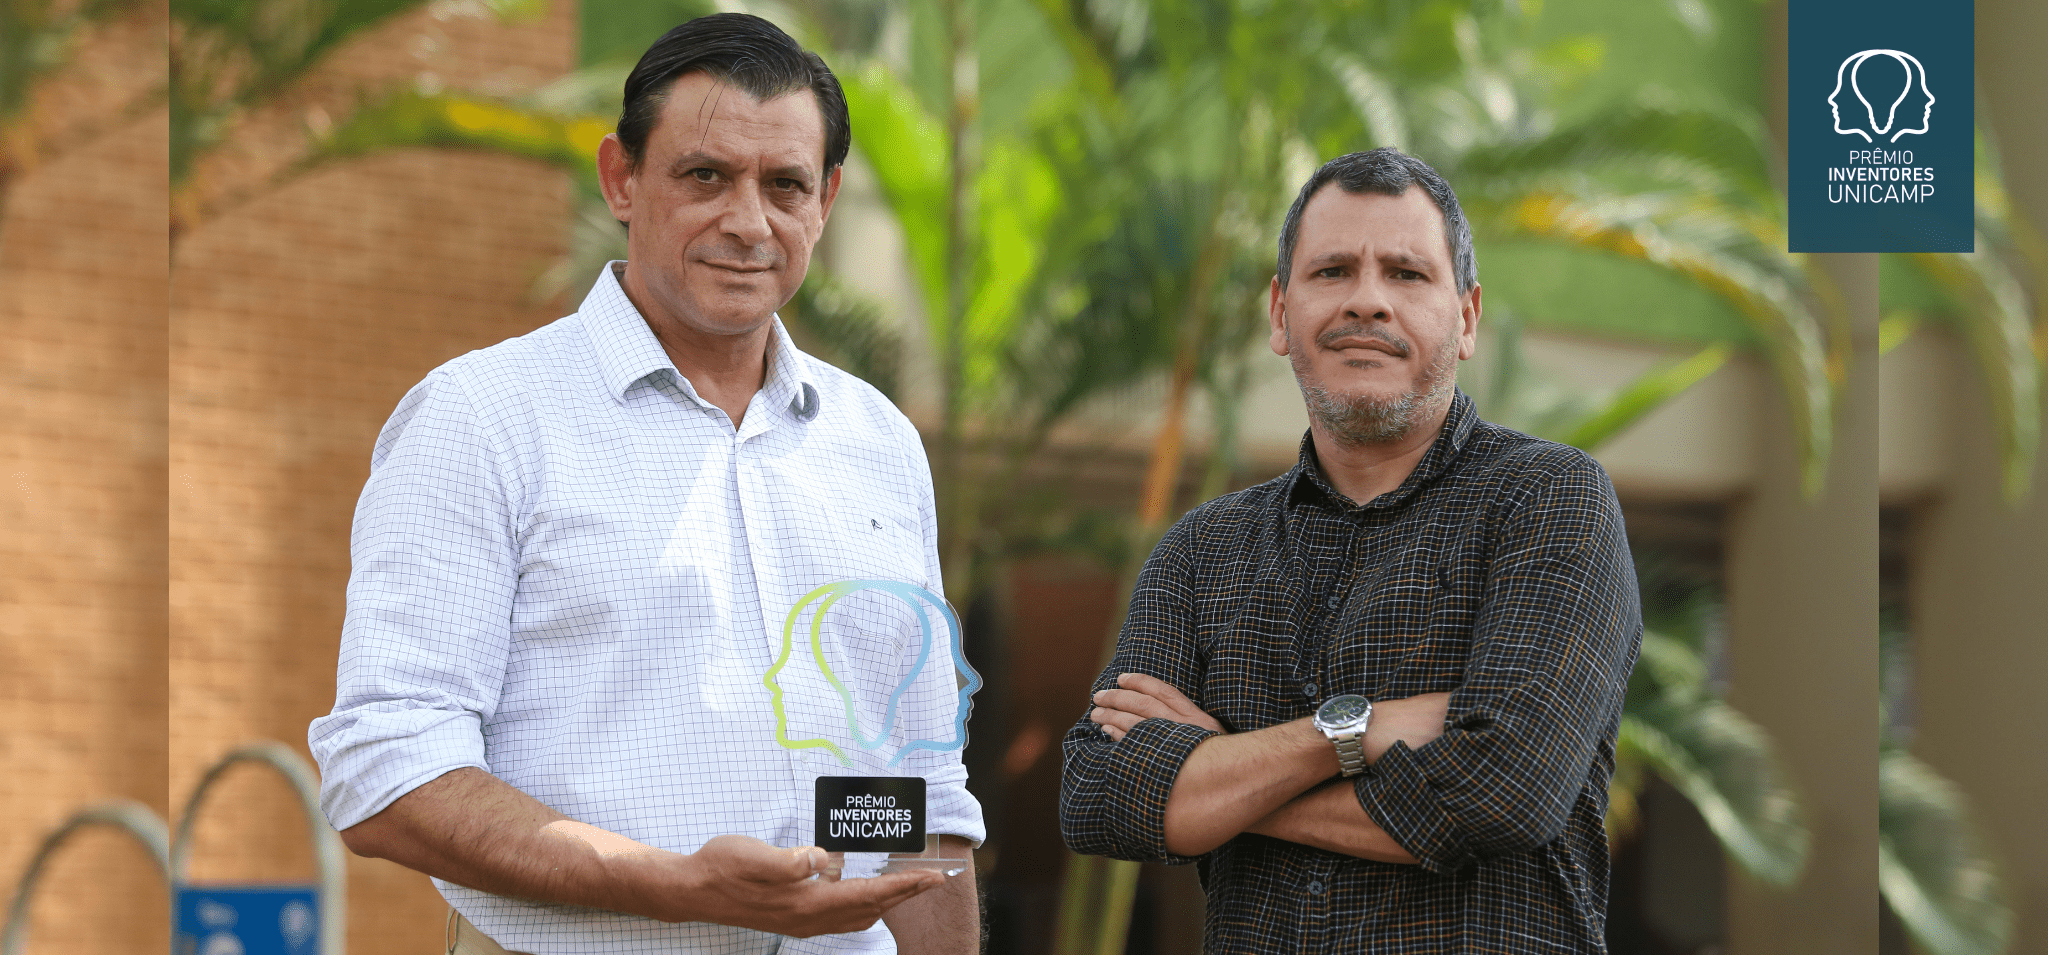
{"x": 702, "y": 113}
{"x": 1337, "y": 219}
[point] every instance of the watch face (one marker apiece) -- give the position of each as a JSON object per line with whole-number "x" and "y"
{"x": 1342, "y": 710}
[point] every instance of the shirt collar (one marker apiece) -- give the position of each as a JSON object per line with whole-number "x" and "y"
{"x": 1309, "y": 478}
{"x": 627, "y": 350}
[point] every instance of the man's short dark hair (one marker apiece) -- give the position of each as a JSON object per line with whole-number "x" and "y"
{"x": 744, "y": 51}
{"x": 1388, "y": 172}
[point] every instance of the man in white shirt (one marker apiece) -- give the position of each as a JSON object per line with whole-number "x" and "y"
{"x": 577, "y": 549}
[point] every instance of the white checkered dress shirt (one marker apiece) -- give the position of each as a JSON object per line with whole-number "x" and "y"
{"x": 570, "y": 571}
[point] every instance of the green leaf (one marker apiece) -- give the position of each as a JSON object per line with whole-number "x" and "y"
{"x": 408, "y": 118}
{"x": 1931, "y": 867}
{"x": 906, "y": 148}
{"x": 1705, "y": 241}
{"x": 1017, "y": 199}
{"x": 1725, "y": 145}
{"x": 845, "y": 328}
{"x": 1983, "y": 300}
{"x": 1644, "y": 395}
{"x": 1722, "y": 762}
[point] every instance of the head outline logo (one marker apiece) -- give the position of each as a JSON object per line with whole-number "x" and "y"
{"x": 910, "y": 594}
{"x": 1916, "y": 76}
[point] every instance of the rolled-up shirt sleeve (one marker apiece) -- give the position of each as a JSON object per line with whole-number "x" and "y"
{"x": 428, "y": 629}
{"x": 1113, "y": 793}
{"x": 1556, "y": 635}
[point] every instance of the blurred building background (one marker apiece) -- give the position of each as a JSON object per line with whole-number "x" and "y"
{"x": 83, "y": 274}
{"x": 414, "y": 186}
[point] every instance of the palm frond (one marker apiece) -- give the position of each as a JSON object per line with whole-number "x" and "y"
{"x": 228, "y": 56}
{"x": 846, "y": 328}
{"x": 1987, "y": 305}
{"x": 594, "y": 239}
{"x": 1931, "y": 868}
{"x": 1721, "y": 761}
{"x": 408, "y": 117}
{"x": 906, "y": 147}
{"x": 39, "y": 36}
{"x": 1710, "y": 244}
{"x": 1647, "y": 393}
{"x": 1730, "y": 145}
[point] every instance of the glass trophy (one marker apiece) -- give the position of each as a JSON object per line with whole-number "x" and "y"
{"x": 869, "y": 685}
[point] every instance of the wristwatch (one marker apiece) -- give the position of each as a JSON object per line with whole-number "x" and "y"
{"x": 1343, "y": 720}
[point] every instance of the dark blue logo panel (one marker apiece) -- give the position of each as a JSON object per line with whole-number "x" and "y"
{"x": 1882, "y": 119}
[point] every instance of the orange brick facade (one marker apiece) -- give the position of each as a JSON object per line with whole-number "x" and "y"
{"x": 298, "y": 318}
{"x": 82, "y": 278}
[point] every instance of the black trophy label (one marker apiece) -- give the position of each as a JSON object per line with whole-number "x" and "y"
{"x": 870, "y": 814}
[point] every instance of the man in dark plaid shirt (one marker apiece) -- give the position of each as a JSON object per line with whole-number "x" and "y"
{"x": 1472, "y": 582}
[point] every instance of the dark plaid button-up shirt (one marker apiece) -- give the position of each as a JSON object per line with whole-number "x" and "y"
{"x": 1498, "y": 571}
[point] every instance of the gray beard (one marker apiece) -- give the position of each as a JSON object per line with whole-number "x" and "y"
{"x": 1356, "y": 420}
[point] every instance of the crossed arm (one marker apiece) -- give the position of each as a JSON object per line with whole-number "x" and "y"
{"x": 1281, "y": 781}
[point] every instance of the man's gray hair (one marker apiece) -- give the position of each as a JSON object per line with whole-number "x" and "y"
{"x": 1388, "y": 172}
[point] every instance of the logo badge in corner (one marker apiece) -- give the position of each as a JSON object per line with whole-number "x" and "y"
{"x": 1848, "y": 79}
{"x": 1872, "y": 167}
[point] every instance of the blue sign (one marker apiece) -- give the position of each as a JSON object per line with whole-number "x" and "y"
{"x": 271, "y": 919}
{"x": 1881, "y": 123}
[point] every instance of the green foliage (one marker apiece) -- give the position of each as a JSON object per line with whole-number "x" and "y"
{"x": 408, "y": 118}
{"x": 1931, "y": 867}
{"x": 1645, "y": 395}
{"x": 1980, "y": 296}
{"x": 618, "y": 31}
{"x": 1933, "y": 870}
{"x": 1675, "y": 727}
{"x": 229, "y": 55}
{"x": 847, "y": 329}
{"x": 906, "y": 147}
{"x": 36, "y": 38}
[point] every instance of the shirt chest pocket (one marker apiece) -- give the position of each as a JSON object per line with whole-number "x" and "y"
{"x": 1414, "y": 629}
{"x": 853, "y": 542}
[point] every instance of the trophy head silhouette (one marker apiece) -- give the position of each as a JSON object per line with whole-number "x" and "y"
{"x": 873, "y": 724}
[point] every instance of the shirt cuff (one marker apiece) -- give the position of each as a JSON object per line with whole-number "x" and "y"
{"x": 1396, "y": 792}
{"x": 1140, "y": 774}
{"x": 371, "y": 755}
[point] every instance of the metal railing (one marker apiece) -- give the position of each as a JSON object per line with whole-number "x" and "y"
{"x": 172, "y": 856}
{"x": 126, "y": 815}
{"x": 327, "y": 848}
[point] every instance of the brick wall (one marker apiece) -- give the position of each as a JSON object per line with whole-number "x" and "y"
{"x": 82, "y": 278}
{"x": 298, "y": 318}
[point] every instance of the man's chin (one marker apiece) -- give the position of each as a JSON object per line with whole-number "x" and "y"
{"x": 1369, "y": 416}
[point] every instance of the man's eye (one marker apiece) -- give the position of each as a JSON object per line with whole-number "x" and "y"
{"x": 1407, "y": 274}
{"x": 788, "y": 185}
{"x": 1334, "y": 271}
{"x": 702, "y": 174}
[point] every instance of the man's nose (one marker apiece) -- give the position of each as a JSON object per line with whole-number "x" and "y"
{"x": 746, "y": 215}
{"x": 1369, "y": 301}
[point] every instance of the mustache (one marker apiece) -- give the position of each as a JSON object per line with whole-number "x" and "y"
{"x": 761, "y": 255}
{"x": 1331, "y": 337}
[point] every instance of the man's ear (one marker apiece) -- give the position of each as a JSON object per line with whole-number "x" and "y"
{"x": 831, "y": 193}
{"x": 1276, "y": 316}
{"x": 615, "y": 177}
{"x": 1468, "y": 331}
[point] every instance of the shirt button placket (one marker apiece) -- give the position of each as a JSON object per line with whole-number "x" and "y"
{"x": 1316, "y": 927}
